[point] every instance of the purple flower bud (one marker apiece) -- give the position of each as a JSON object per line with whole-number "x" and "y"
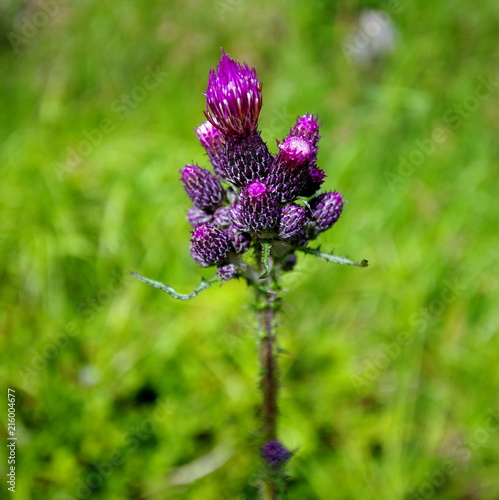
{"x": 209, "y": 245}
{"x": 256, "y": 211}
{"x": 289, "y": 173}
{"x": 221, "y": 217}
{"x": 202, "y": 187}
{"x": 290, "y": 262}
{"x": 295, "y": 151}
{"x": 301, "y": 238}
{"x": 227, "y": 272}
{"x": 326, "y": 208}
{"x": 196, "y": 216}
{"x": 293, "y": 218}
{"x": 233, "y": 97}
{"x": 307, "y": 128}
{"x": 274, "y": 453}
{"x": 240, "y": 241}
{"x": 213, "y": 142}
{"x": 247, "y": 159}
{"x": 313, "y": 181}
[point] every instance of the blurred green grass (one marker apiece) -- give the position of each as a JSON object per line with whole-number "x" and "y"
{"x": 124, "y": 393}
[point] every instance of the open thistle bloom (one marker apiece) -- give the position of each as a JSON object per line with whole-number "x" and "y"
{"x": 253, "y": 196}
{"x": 233, "y": 97}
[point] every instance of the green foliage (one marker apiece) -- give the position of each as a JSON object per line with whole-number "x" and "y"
{"x": 389, "y": 374}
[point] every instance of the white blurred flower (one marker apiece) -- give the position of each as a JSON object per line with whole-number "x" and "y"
{"x": 374, "y": 38}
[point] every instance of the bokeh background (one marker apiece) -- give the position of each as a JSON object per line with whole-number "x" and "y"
{"x": 390, "y": 373}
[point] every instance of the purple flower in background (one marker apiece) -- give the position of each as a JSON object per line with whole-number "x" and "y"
{"x": 274, "y": 453}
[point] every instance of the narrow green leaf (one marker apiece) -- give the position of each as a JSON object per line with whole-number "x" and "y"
{"x": 266, "y": 261}
{"x": 170, "y": 291}
{"x": 334, "y": 259}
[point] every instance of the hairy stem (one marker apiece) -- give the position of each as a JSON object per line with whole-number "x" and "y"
{"x": 268, "y": 363}
{"x": 267, "y": 304}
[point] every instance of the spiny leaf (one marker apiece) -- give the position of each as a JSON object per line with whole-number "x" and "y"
{"x": 170, "y": 291}
{"x": 335, "y": 259}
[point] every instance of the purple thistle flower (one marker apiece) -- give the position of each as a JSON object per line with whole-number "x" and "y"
{"x": 197, "y": 216}
{"x": 202, "y": 187}
{"x": 289, "y": 173}
{"x": 293, "y": 218}
{"x": 256, "y": 211}
{"x": 274, "y": 453}
{"x": 326, "y": 209}
{"x": 313, "y": 181}
{"x": 240, "y": 241}
{"x": 213, "y": 141}
{"x": 227, "y": 272}
{"x": 307, "y": 127}
{"x": 247, "y": 159}
{"x": 233, "y": 97}
{"x": 210, "y": 245}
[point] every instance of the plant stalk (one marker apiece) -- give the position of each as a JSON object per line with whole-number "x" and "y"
{"x": 267, "y": 303}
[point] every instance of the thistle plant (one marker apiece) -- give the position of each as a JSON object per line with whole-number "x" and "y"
{"x": 251, "y": 218}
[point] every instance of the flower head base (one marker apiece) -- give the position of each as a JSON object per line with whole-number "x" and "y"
{"x": 274, "y": 453}
{"x": 247, "y": 159}
{"x": 233, "y": 97}
{"x": 293, "y": 218}
{"x": 288, "y": 175}
{"x": 202, "y": 187}
{"x": 326, "y": 209}
{"x": 210, "y": 245}
{"x": 226, "y": 272}
{"x": 256, "y": 211}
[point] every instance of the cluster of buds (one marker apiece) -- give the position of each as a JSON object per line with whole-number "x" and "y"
{"x": 252, "y": 196}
